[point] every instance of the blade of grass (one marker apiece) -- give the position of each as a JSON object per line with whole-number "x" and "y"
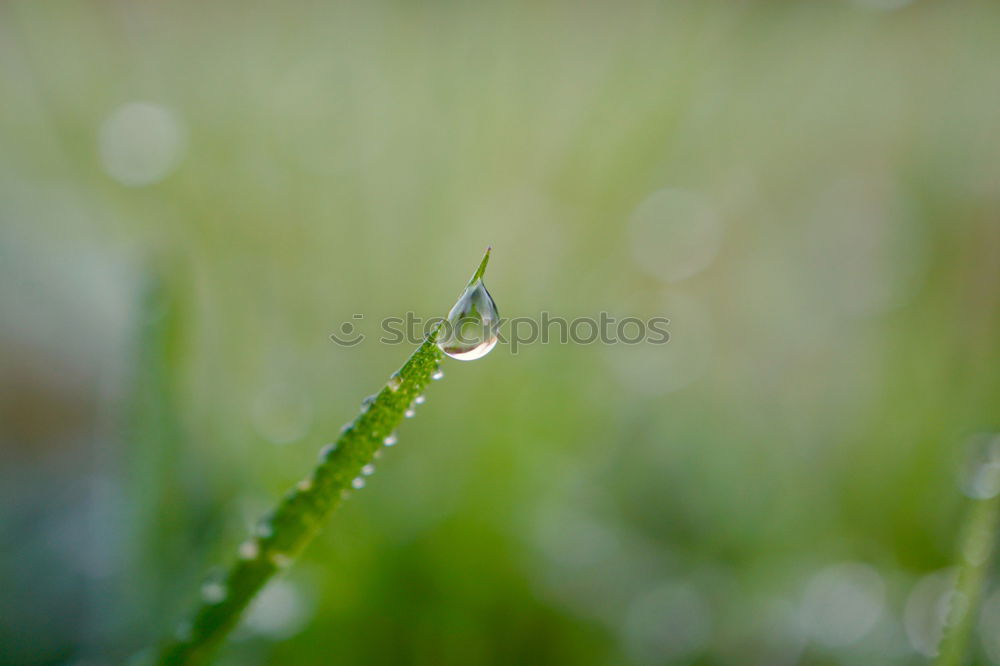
{"x": 284, "y": 532}
{"x": 478, "y": 275}
{"x": 976, "y": 554}
{"x": 155, "y": 438}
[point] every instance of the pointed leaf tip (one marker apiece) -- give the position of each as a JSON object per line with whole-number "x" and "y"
{"x": 478, "y": 275}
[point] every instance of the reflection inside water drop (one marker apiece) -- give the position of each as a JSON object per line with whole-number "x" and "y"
{"x": 470, "y": 331}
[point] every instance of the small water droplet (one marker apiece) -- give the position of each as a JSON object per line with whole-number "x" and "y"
{"x": 280, "y": 611}
{"x": 325, "y": 452}
{"x": 391, "y": 440}
{"x": 957, "y": 609}
{"x": 410, "y": 412}
{"x": 420, "y": 399}
{"x": 377, "y": 454}
{"x": 304, "y": 485}
{"x": 265, "y": 530}
{"x": 366, "y": 403}
{"x": 470, "y": 331}
{"x": 280, "y": 560}
{"x": 184, "y": 631}
{"x": 213, "y": 592}
{"x": 358, "y": 483}
{"x": 394, "y": 382}
{"x": 437, "y": 374}
{"x": 368, "y": 469}
{"x": 926, "y": 610}
{"x": 249, "y": 550}
{"x": 980, "y": 475}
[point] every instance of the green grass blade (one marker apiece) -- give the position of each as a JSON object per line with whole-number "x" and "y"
{"x": 977, "y": 550}
{"x": 156, "y": 439}
{"x": 478, "y": 275}
{"x": 301, "y": 513}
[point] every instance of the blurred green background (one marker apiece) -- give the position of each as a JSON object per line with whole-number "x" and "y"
{"x": 195, "y": 195}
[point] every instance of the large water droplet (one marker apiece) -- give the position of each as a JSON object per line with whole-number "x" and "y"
{"x": 470, "y": 331}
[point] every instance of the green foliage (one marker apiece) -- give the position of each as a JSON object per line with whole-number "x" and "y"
{"x": 283, "y": 534}
{"x": 975, "y": 559}
{"x": 823, "y": 368}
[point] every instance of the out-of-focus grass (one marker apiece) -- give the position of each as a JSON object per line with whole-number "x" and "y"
{"x": 688, "y": 503}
